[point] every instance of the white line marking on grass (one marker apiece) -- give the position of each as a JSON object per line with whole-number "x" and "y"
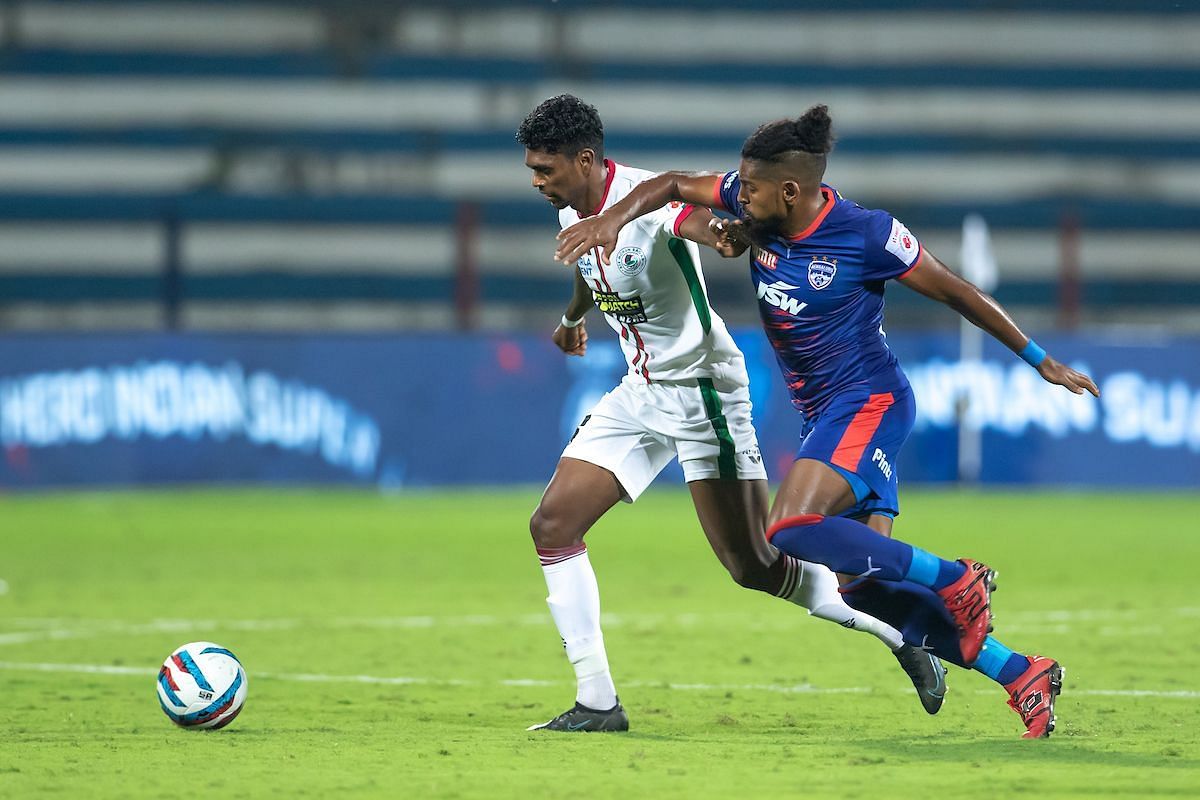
{"x": 1100, "y": 614}
{"x": 1046, "y": 622}
{"x": 529, "y": 682}
{"x": 1050, "y": 620}
{"x": 397, "y": 681}
{"x": 105, "y": 669}
{"x": 1184, "y": 693}
{"x": 96, "y": 669}
{"x": 799, "y": 688}
{"x": 81, "y": 629}
{"x": 33, "y": 636}
{"x": 802, "y": 688}
{"x": 3, "y": 586}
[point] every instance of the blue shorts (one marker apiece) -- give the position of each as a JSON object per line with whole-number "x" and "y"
{"x": 860, "y": 434}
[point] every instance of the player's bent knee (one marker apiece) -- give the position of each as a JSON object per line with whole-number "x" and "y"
{"x": 793, "y": 518}
{"x": 750, "y": 573}
{"x": 553, "y": 530}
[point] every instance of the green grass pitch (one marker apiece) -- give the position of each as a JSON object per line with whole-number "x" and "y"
{"x": 398, "y": 646}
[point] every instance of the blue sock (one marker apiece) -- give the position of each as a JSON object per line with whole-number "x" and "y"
{"x": 922, "y": 620}
{"x": 852, "y": 548}
{"x": 914, "y": 610}
{"x": 929, "y": 570}
{"x": 999, "y": 663}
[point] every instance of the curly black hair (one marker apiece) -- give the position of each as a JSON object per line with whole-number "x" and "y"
{"x": 563, "y": 124}
{"x": 811, "y": 133}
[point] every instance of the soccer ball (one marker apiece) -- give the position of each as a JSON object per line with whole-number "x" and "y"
{"x": 202, "y": 685}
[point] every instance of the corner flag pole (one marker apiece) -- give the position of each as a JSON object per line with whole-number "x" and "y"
{"x": 979, "y": 267}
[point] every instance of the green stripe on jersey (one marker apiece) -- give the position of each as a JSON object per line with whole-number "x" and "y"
{"x": 683, "y": 258}
{"x": 726, "y": 463}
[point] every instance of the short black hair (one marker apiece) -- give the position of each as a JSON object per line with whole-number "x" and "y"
{"x": 563, "y": 124}
{"x": 776, "y": 141}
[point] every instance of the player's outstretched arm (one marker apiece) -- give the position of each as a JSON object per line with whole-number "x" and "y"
{"x": 572, "y": 338}
{"x": 931, "y": 278}
{"x": 697, "y": 188}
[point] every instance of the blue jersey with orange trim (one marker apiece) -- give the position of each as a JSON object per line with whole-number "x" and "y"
{"x": 820, "y": 296}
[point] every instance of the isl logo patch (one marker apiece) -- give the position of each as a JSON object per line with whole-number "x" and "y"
{"x": 821, "y": 271}
{"x": 630, "y": 260}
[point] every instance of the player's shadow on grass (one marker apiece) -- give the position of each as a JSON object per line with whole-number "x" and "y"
{"x": 1061, "y": 750}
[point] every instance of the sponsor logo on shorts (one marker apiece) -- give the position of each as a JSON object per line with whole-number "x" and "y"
{"x": 879, "y": 459}
{"x": 628, "y": 310}
{"x": 821, "y": 271}
{"x": 631, "y": 260}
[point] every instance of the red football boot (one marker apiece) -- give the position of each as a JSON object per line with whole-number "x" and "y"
{"x": 968, "y": 600}
{"x": 1032, "y": 696}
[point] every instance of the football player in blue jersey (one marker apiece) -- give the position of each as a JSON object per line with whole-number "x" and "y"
{"x": 819, "y": 264}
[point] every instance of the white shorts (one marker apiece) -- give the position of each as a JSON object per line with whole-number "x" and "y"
{"x": 636, "y": 429}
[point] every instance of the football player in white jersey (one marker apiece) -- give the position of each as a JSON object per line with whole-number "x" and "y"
{"x": 686, "y": 396}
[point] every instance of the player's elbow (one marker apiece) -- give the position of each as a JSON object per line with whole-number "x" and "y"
{"x": 674, "y": 185}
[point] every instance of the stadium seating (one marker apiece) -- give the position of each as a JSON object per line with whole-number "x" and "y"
{"x": 231, "y": 165}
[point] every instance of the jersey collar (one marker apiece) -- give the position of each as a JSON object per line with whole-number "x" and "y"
{"x": 612, "y": 172}
{"x": 830, "y": 201}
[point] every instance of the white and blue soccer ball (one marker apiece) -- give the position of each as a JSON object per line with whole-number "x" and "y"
{"x": 202, "y": 685}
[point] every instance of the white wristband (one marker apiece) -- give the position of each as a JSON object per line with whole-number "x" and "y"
{"x": 571, "y": 323}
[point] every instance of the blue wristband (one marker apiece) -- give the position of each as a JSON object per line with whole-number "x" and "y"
{"x": 1033, "y": 355}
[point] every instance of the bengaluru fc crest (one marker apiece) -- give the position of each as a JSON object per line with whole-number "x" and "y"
{"x": 821, "y": 271}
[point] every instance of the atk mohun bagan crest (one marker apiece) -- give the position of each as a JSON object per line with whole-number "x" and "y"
{"x": 631, "y": 260}
{"x": 821, "y": 271}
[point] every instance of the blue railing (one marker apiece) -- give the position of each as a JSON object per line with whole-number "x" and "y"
{"x": 173, "y": 285}
{"x": 388, "y": 66}
{"x": 418, "y": 141}
{"x": 1123, "y": 7}
{"x": 1127, "y": 213}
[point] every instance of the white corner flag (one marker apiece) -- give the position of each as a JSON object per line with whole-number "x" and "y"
{"x": 979, "y": 267}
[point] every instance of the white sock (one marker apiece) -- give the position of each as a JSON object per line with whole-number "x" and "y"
{"x": 574, "y": 601}
{"x": 817, "y": 590}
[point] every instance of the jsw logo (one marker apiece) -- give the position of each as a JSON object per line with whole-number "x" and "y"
{"x": 776, "y": 294}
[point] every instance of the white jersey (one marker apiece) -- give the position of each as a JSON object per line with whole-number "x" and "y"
{"x": 653, "y": 294}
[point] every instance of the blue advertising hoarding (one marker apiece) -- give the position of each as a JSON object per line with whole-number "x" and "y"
{"x": 425, "y": 410}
